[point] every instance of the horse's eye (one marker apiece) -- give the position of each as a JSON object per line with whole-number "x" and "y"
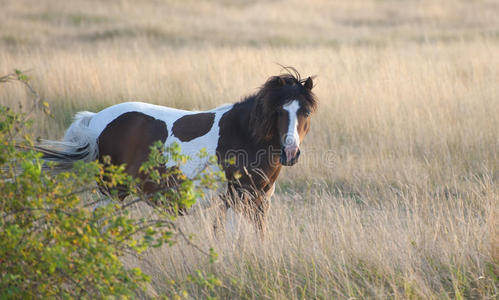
{"x": 306, "y": 113}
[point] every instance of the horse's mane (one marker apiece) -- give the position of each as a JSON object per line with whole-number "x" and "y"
{"x": 275, "y": 92}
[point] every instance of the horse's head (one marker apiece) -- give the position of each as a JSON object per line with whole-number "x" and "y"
{"x": 281, "y": 114}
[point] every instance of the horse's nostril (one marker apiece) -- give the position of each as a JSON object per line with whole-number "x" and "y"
{"x": 291, "y": 152}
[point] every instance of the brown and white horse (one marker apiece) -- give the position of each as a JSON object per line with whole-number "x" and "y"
{"x": 259, "y": 135}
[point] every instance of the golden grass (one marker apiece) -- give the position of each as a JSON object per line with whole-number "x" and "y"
{"x": 396, "y": 194}
{"x": 321, "y": 245}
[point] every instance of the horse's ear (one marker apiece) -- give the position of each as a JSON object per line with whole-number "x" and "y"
{"x": 309, "y": 83}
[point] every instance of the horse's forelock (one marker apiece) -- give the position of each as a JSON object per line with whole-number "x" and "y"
{"x": 276, "y": 92}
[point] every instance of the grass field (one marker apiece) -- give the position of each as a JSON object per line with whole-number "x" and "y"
{"x": 397, "y": 191}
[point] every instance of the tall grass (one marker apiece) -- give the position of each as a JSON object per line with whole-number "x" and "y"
{"x": 396, "y": 194}
{"x": 325, "y": 245}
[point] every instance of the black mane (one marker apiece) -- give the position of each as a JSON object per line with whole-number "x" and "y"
{"x": 278, "y": 90}
{"x": 275, "y": 92}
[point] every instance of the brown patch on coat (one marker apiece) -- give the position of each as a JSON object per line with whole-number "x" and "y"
{"x": 190, "y": 127}
{"x": 127, "y": 139}
{"x": 251, "y": 168}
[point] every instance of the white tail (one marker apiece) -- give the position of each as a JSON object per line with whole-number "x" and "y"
{"x": 80, "y": 142}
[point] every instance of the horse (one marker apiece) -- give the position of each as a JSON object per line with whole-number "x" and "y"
{"x": 260, "y": 134}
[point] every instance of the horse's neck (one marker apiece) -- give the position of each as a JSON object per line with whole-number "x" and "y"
{"x": 242, "y": 121}
{"x": 261, "y": 155}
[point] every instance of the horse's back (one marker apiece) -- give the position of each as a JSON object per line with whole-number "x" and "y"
{"x": 166, "y": 114}
{"x": 126, "y": 131}
{"x": 123, "y": 128}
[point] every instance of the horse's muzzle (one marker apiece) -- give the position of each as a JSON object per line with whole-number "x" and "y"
{"x": 284, "y": 158}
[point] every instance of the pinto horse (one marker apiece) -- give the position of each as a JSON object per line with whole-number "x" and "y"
{"x": 262, "y": 133}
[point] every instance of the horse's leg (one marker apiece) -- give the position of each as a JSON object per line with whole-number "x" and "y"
{"x": 254, "y": 208}
{"x": 229, "y": 206}
{"x": 258, "y": 214}
{"x": 232, "y": 223}
{"x": 101, "y": 202}
{"x": 105, "y": 197}
{"x": 233, "y": 203}
{"x": 219, "y": 222}
{"x": 260, "y": 209}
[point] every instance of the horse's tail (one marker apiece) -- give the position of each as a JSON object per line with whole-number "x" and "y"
{"x": 79, "y": 143}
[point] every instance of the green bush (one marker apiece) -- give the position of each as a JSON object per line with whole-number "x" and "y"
{"x": 53, "y": 243}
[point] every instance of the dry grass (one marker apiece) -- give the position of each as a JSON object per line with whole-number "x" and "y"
{"x": 397, "y": 192}
{"x": 321, "y": 245}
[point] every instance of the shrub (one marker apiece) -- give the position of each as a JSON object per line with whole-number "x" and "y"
{"x": 52, "y": 242}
